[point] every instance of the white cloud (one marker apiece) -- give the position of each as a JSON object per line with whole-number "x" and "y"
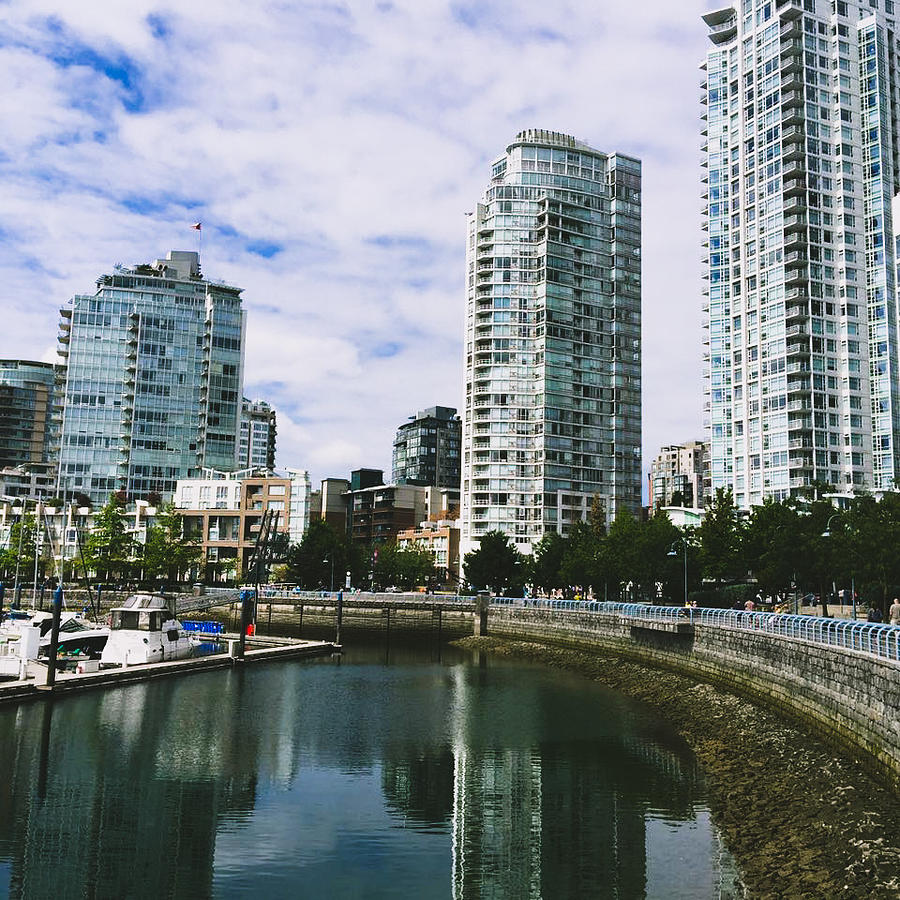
{"x": 315, "y": 128}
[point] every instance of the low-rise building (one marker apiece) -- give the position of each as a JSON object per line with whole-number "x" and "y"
{"x": 224, "y": 512}
{"x": 379, "y": 512}
{"x": 679, "y": 476}
{"x": 441, "y": 537}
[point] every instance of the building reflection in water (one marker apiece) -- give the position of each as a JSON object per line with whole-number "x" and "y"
{"x": 557, "y": 818}
{"x": 535, "y": 790}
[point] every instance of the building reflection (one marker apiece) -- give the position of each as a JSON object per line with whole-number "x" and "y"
{"x": 126, "y": 792}
{"x": 543, "y": 818}
{"x": 127, "y": 808}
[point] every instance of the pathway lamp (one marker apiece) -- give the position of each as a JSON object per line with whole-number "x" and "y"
{"x": 827, "y": 534}
{"x": 332, "y": 569}
{"x": 674, "y": 552}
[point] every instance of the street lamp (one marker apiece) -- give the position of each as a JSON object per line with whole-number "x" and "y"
{"x": 332, "y": 568}
{"x": 827, "y": 534}
{"x": 674, "y": 552}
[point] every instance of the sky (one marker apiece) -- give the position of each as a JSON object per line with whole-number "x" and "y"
{"x": 331, "y": 151}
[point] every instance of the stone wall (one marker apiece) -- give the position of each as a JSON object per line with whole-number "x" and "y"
{"x": 849, "y": 698}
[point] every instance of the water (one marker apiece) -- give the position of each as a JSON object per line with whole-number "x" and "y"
{"x": 416, "y": 778}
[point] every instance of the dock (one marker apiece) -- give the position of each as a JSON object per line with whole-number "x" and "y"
{"x": 258, "y": 650}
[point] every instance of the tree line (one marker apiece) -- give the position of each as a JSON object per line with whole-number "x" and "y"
{"x": 779, "y": 550}
{"x": 109, "y": 553}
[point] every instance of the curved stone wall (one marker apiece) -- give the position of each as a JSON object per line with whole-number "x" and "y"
{"x": 847, "y": 697}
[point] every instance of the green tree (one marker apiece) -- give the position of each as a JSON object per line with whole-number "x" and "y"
{"x": 320, "y": 560}
{"x": 769, "y": 546}
{"x": 817, "y": 556}
{"x": 580, "y": 556}
{"x": 109, "y": 548}
{"x": 404, "y": 567}
{"x": 619, "y": 563}
{"x": 868, "y": 544}
{"x": 168, "y": 553}
{"x": 545, "y": 564}
{"x": 719, "y": 537}
{"x": 657, "y": 538}
{"x": 20, "y": 550}
{"x": 496, "y": 565}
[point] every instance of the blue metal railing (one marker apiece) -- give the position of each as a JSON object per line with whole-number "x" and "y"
{"x": 204, "y": 627}
{"x": 873, "y": 638}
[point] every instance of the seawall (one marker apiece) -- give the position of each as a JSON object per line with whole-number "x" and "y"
{"x": 849, "y": 698}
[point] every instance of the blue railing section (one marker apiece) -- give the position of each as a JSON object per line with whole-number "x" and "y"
{"x": 204, "y": 627}
{"x": 873, "y": 638}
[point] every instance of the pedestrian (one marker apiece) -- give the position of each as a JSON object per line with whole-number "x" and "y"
{"x": 749, "y": 606}
{"x": 875, "y": 614}
{"x": 894, "y": 612}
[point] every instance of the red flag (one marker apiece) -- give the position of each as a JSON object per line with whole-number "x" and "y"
{"x": 197, "y": 226}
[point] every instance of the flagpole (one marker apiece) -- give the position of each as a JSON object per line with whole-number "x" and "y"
{"x": 198, "y": 227}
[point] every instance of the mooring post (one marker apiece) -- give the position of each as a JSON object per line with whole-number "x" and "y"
{"x": 482, "y": 602}
{"x": 300, "y": 629}
{"x": 340, "y": 617}
{"x": 247, "y": 604}
{"x": 387, "y": 610}
{"x": 54, "y": 636}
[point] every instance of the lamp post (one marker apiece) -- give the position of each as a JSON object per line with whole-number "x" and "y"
{"x": 827, "y": 534}
{"x": 674, "y": 552}
{"x": 331, "y": 556}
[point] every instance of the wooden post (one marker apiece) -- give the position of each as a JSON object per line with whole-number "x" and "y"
{"x": 482, "y": 602}
{"x": 54, "y": 636}
{"x": 340, "y": 616}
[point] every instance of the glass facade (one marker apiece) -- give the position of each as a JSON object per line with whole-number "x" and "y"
{"x": 27, "y": 423}
{"x": 801, "y": 150}
{"x": 552, "y": 412}
{"x": 426, "y": 449}
{"x": 258, "y": 428}
{"x": 153, "y": 380}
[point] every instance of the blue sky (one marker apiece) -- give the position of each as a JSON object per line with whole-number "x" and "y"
{"x": 331, "y": 150}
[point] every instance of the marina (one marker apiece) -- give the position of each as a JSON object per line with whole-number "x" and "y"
{"x": 258, "y": 649}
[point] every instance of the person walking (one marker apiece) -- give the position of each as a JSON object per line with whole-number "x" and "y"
{"x": 894, "y": 612}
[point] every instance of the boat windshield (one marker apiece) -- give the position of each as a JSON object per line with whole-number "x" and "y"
{"x": 139, "y": 619}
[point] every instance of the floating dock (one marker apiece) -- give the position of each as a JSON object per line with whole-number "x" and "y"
{"x": 258, "y": 649}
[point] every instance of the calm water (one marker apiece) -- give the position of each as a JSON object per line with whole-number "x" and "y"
{"x": 368, "y": 777}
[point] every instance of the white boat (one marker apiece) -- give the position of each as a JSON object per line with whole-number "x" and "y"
{"x": 144, "y": 630}
{"x": 76, "y": 634}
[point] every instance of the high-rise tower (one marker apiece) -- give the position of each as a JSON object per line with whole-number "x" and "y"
{"x": 801, "y": 151}
{"x": 153, "y": 380}
{"x": 552, "y": 412}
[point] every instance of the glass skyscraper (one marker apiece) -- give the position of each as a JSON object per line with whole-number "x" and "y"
{"x": 27, "y": 413}
{"x": 426, "y": 449}
{"x": 552, "y": 413}
{"x": 153, "y": 380}
{"x": 801, "y": 152}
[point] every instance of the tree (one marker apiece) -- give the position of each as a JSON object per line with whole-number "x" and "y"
{"x": 769, "y": 546}
{"x": 580, "y": 556}
{"x": 817, "y": 556}
{"x": 109, "y": 548}
{"x": 496, "y": 565}
{"x": 320, "y": 560}
{"x": 870, "y": 544}
{"x": 168, "y": 552}
{"x": 405, "y": 567}
{"x": 618, "y": 556}
{"x": 720, "y": 539}
{"x": 545, "y": 565}
{"x": 657, "y": 538}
